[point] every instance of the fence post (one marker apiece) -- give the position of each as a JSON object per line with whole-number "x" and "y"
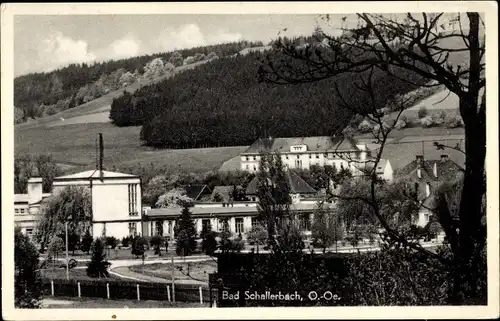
{"x": 79, "y": 290}
{"x": 52, "y": 287}
{"x": 168, "y": 292}
{"x": 107, "y": 289}
{"x": 201, "y": 295}
{"x": 138, "y": 293}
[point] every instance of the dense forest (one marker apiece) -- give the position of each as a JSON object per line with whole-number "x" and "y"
{"x": 222, "y": 103}
{"x": 40, "y": 94}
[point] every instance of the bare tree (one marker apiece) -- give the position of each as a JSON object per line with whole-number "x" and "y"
{"x": 419, "y": 44}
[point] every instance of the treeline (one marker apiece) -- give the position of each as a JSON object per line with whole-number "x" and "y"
{"x": 75, "y": 84}
{"x": 222, "y": 103}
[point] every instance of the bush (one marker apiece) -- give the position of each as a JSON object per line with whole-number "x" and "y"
{"x": 438, "y": 119}
{"x": 422, "y": 112}
{"x": 365, "y": 126}
{"x": 454, "y": 122}
{"x": 426, "y": 122}
{"x": 126, "y": 241}
{"x": 138, "y": 246}
{"x": 111, "y": 242}
{"x": 156, "y": 242}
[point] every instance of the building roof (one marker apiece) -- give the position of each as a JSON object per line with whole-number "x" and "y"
{"x": 446, "y": 170}
{"x": 224, "y": 191}
{"x": 95, "y": 174}
{"x": 380, "y": 166}
{"x": 296, "y": 183}
{"x": 227, "y": 210}
{"x": 194, "y": 191}
{"x": 314, "y": 144}
{"x": 25, "y": 198}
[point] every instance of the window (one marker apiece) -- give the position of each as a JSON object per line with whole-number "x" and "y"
{"x": 298, "y": 164}
{"x": 16, "y": 210}
{"x": 132, "y": 229}
{"x": 255, "y": 158}
{"x": 132, "y": 200}
{"x": 286, "y": 156}
{"x": 310, "y": 155}
{"x": 246, "y": 166}
{"x": 317, "y": 156}
{"x": 305, "y": 222}
{"x": 255, "y": 222}
{"x": 223, "y": 225}
{"x": 170, "y": 224}
{"x": 22, "y": 210}
{"x": 247, "y": 158}
{"x": 205, "y": 224}
{"x": 238, "y": 224}
{"x": 254, "y": 168}
{"x": 159, "y": 228}
{"x": 29, "y": 231}
{"x": 253, "y": 199}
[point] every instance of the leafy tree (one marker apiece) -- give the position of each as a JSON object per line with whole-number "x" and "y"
{"x": 72, "y": 204}
{"x": 56, "y": 246}
{"x": 98, "y": 265}
{"x": 176, "y": 59}
{"x": 26, "y": 166}
{"x": 185, "y": 233}
{"x": 175, "y": 198}
{"x": 125, "y": 241}
{"x": 415, "y": 44}
{"x": 225, "y": 243}
{"x": 27, "y": 280}
{"x": 87, "y": 240}
{"x": 156, "y": 242}
{"x": 326, "y": 228}
{"x": 257, "y": 236}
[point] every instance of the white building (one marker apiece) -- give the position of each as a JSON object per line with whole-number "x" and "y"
{"x": 27, "y": 206}
{"x": 304, "y": 152}
{"x": 116, "y": 202}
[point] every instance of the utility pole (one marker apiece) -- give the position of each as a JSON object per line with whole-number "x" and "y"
{"x": 67, "y": 258}
{"x": 173, "y": 279}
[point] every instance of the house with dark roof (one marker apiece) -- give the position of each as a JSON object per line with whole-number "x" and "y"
{"x": 298, "y": 187}
{"x": 197, "y": 191}
{"x": 428, "y": 175}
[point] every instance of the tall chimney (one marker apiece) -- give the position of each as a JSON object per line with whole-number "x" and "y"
{"x": 101, "y": 156}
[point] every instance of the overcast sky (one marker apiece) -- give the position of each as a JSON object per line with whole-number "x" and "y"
{"x": 43, "y": 43}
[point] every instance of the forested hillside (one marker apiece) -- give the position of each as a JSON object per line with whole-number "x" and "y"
{"x": 222, "y": 103}
{"x": 40, "y": 94}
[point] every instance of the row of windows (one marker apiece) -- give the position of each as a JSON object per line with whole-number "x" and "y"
{"x": 21, "y": 210}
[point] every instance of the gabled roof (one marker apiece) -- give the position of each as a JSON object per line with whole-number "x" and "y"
{"x": 194, "y": 191}
{"x": 296, "y": 183}
{"x": 314, "y": 144}
{"x": 95, "y": 174}
{"x": 224, "y": 191}
{"x": 446, "y": 169}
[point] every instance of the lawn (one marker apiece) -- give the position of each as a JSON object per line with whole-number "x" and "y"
{"x": 74, "y": 274}
{"x": 75, "y": 145}
{"x": 92, "y": 303}
{"x": 197, "y": 271}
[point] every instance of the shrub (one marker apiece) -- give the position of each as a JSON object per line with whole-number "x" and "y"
{"x": 138, "y": 246}
{"x": 454, "y": 122}
{"x": 438, "y": 119}
{"x": 422, "y": 112}
{"x": 365, "y": 126}
{"x": 126, "y": 241}
{"x": 426, "y": 122}
{"x": 56, "y": 246}
{"x": 111, "y": 241}
{"x": 156, "y": 242}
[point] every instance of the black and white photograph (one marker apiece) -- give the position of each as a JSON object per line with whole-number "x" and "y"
{"x": 280, "y": 157}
